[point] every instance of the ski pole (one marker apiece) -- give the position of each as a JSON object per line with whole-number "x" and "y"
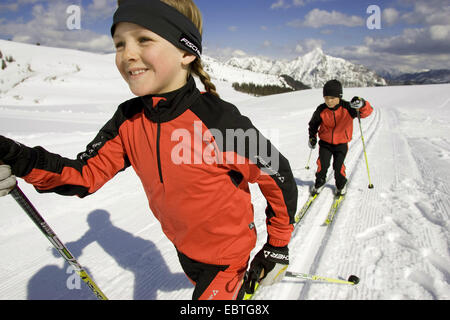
{"x": 31, "y": 211}
{"x": 309, "y": 158}
{"x": 353, "y": 280}
{"x": 364, "y": 148}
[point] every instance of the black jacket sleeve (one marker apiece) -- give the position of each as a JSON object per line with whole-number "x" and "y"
{"x": 314, "y": 123}
{"x": 50, "y": 172}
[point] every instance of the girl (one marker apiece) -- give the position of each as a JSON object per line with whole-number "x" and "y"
{"x": 333, "y": 120}
{"x": 177, "y": 140}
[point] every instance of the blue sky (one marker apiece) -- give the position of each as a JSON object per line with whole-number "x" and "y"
{"x": 256, "y": 27}
{"x": 413, "y": 34}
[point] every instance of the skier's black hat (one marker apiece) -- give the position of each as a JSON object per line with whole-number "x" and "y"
{"x": 163, "y": 20}
{"x": 332, "y": 88}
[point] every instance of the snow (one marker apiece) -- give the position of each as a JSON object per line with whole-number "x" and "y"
{"x": 394, "y": 237}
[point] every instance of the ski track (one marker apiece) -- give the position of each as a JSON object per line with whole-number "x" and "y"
{"x": 310, "y": 238}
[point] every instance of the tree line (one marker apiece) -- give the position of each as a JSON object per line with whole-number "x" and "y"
{"x": 265, "y": 90}
{"x": 260, "y": 90}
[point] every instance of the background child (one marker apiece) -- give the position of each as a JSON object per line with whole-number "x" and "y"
{"x": 204, "y": 207}
{"x": 333, "y": 121}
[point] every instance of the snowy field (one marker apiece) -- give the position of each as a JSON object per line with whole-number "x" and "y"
{"x": 395, "y": 237}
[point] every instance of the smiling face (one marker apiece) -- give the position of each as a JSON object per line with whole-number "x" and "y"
{"x": 331, "y": 102}
{"x": 147, "y": 62}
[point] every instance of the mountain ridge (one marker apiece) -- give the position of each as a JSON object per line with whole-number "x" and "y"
{"x": 313, "y": 69}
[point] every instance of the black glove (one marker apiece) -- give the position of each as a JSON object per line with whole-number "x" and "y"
{"x": 18, "y": 156}
{"x": 267, "y": 267}
{"x": 357, "y": 102}
{"x": 5, "y": 146}
{"x": 312, "y": 142}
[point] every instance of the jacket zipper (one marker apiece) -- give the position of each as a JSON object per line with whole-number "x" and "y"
{"x": 158, "y": 137}
{"x": 332, "y": 131}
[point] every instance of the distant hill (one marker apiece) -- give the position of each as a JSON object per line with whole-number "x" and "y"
{"x": 425, "y": 77}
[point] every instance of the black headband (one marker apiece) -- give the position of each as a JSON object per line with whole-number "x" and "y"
{"x": 163, "y": 20}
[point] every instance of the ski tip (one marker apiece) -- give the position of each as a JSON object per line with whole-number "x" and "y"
{"x": 353, "y": 279}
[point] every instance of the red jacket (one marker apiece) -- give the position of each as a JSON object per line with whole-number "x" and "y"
{"x": 335, "y": 125}
{"x": 203, "y": 203}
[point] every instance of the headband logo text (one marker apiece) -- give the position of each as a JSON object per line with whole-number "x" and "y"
{"x": 190, "y": 45}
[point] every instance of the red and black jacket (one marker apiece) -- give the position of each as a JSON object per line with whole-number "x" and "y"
{"x": 335, "y": 125}
{"x": 204, "y": 207}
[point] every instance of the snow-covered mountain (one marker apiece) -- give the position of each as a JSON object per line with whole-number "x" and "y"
{"x": 424, "y": 77}
{"x": 235, "y": 73}
{"x": 313, "y": 69}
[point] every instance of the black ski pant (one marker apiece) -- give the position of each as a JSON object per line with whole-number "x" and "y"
{"x": 338, "y": 152}
{"x": 214, "y": 282}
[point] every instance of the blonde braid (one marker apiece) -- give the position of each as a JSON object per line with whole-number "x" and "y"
{"x": 197, "y": 69}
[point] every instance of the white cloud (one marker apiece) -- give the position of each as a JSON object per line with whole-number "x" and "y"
{"x": 95, "y": 43}
{"x": 233, "y": 28}
{"x": 282, "y": 4}
{"x": 100, "y": 9}
{"x": 21, "y": 38}
{"x": 239, "y": 53}
{"x": 298, "y": 3}
{"x": 308, "y": 45}
{"x": 279, "y": 4}
{"x": 390, "y": 16}
{"x": 440, "y": 32}
{"x": 385, "y": 61}
{"x": 432, "y": 40}
{"x": 267, "y": 43}
{"x": 425, "y": 47}
{"x": 428, "y": 12}
{"x": 9, "y": 7}
{"x": 224, "y": 54}
{"x": 317, "y": 18}
{"x": 48, "y": 27}
{"x": 15, "y": 5}
{"x": 99, "y": 5}
{"x": 299, "y": 49}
